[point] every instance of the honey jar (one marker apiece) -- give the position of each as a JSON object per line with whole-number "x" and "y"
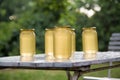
{"x": 27, "y": 44}
{"x": 90, "y": 42}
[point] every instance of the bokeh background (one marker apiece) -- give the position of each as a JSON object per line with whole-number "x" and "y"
{"x": 41, "y": 14}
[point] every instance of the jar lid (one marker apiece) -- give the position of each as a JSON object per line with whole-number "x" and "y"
{"x": 84, "y": 28}
{"x": 50, "y": 28}
{"x": 27, "y": 29}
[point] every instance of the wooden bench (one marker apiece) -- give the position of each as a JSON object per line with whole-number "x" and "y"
{"x": 99, "y": 78}
{"x": 114, "y": 45}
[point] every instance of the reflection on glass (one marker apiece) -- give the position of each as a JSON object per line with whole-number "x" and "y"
{"x": 49, "y": 43}
{"x": 62, "y": 43}
{"x": 90, "y": 42}
{"x": 26, "y": 58}
{"x": 73, "y": 42}
{"x": 27, "y": 44}
{"x": 49, "y": 58}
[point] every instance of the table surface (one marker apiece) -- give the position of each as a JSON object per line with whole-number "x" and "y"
{"x": 76, "y": 62}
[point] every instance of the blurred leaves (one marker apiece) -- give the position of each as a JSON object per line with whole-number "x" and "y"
{"x": 41, "y": 14}
{"x": 37, "y": 14}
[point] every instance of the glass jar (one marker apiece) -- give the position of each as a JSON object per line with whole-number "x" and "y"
{"x": 27, "y": 44}
{"x": 90, "y": 42}
{"x": 73, "y": 41}
{"x": 49, "y": 43}
{"x": 62, "y": 43}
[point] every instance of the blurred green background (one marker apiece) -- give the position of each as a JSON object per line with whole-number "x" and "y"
{"x": 41, "y": 14}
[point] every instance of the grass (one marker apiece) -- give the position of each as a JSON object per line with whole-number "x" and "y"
{"x": 32, "y": 75}
{"x": 115, "y": 72}
{"x": 15, "y": 74}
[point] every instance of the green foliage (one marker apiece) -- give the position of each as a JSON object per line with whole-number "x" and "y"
{"x": 41, "y": 14}
{"x": 37, "y": 14}
{"x": 107, "y": 21}
{"x": 51, "y": 75}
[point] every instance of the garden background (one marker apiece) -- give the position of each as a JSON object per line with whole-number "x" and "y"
{"x": 41, "y": 14}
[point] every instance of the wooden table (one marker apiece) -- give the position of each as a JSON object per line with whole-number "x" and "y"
{"x": 77, "y": 64}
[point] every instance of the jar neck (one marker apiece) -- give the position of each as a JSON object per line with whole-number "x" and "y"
{"x": 27, "y": 30}
{"x": 89, "y": 28}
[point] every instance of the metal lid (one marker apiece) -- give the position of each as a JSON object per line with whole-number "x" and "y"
{"x": 27, "y": 29}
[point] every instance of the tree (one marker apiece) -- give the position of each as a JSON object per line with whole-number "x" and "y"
{"x": 106, "y": 20}
{"x": 41, "y": 14}
{"x": 38, "y": 14}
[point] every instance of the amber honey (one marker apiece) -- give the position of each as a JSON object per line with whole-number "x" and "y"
{"x": 62, "y": 43}
{"x": 90, "y": 42}
{"x": 27, "y": 44}
{"x": 49, "y": 43}
{"x": 73, "y": 41}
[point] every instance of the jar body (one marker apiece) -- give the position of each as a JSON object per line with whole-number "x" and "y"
{"x": 62, "y": 43}
{"x": 49, "y": 43}
{"x": 73, "y": 41}
{"x": 90, "y": 42}
{"x": 27, "y": 44}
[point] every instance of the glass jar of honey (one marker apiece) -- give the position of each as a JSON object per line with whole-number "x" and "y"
{"x": 73, "y": 41}
{"x": 90, "y": 42}
{"x": 62, "y": 43}
{"x": 27, "y": 44}
{"x": 49, "y": 43}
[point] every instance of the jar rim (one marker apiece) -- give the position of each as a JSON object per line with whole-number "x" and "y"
{"x": 84, "y": 28}
{"x": 27, "y": 29}
{"x": 50, "y": 28}
{"x": 64, "y": 26}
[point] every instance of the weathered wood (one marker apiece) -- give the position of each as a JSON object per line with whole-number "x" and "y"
{"x": 116, "y": 34}
{"x": 99, "y": 78}
{"x": 75, "y": 75}
{"x": 117, "y": 38}
{"x": 114, "y": 45}
{"x": 76, "y": 63}
{"x": 114, "y": 48}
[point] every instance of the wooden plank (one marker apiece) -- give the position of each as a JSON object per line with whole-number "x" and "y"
{"x": 116, "y": 43}
{"x": 114, "y": 48}
{"x": 75, "y": 63}
{"x": 116, "y": 34}
{"x": 115, "y": 38}
{"x": 99, "y": 78}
